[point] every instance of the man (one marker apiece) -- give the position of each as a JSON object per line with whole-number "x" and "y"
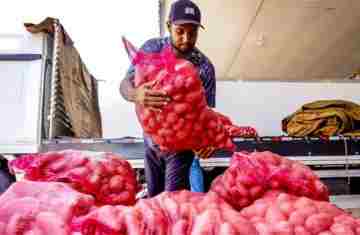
{"x": 163, "y": 171}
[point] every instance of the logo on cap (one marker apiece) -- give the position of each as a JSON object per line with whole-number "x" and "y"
{"x": 190, "y": 10}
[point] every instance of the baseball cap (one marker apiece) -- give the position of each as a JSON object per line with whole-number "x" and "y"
{"x": 185, "y": 11}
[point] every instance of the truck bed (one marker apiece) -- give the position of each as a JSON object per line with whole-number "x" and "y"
{"x": 327, "y": 154}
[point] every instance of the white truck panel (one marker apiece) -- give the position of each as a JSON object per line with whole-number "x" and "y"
{"x": 20, "y": 94}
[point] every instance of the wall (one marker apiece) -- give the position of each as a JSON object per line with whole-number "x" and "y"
{"x": 264, "y": 104}
{"x": 118, "y": 116}
{"x": 260, "y": 104}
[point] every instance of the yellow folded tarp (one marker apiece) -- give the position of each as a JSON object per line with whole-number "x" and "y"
{"x": 324, "y": 118}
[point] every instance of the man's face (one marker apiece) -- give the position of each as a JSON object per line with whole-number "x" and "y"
{"x": 183, "y": 36}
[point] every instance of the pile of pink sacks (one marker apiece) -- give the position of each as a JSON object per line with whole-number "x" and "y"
{"x": 260, "y": 193}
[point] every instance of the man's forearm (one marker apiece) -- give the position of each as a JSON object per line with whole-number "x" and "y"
{"x": 127, "y": 90}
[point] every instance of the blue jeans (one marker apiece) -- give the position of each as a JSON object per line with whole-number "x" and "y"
{"x": 196, "y": 177}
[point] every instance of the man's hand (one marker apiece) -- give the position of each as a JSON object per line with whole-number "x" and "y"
{"x": 205, "y": 153}
{"x": 144, "y": 95}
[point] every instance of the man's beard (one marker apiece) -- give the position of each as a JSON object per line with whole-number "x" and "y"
{"x": 181, "y": 52}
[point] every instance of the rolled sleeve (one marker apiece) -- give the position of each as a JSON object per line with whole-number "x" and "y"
{"x": 130, "y": 74}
